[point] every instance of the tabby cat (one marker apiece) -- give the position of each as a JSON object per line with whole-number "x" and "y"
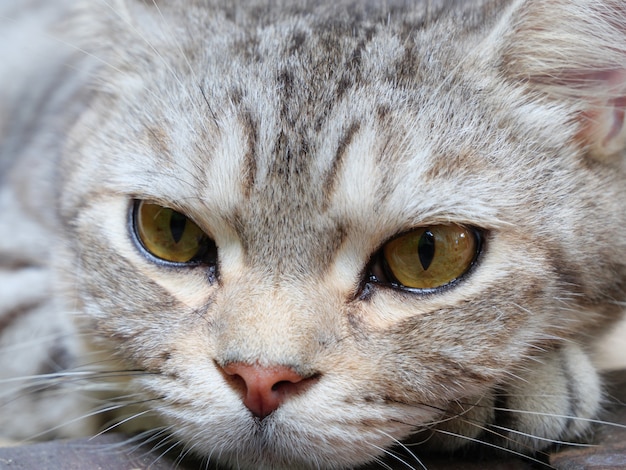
{"x": 295, "y": 234}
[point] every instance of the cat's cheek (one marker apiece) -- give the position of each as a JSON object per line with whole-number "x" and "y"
{"x": 460, "y": 333}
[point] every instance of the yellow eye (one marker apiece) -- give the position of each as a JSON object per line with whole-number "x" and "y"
{"x": 170, "y": 235}
{"x": 431, "y": 257}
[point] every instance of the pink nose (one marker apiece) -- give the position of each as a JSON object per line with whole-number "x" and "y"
{"x": 264, "y": 389}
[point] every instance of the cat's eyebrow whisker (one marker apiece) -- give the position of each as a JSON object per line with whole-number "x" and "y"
{"x": 169, "y": 68}
{"x": 189, "y": 66}
{"x": 206, "y": 100}
{"x": 96, "y": 78}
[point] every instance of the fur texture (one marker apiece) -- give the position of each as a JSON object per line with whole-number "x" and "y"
{"x": 301, "y": 137}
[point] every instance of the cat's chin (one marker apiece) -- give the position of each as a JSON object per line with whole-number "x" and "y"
{"x": 304, "y": 437}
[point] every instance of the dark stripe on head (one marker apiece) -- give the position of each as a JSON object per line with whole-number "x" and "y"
{"x": 331, "y": 177}
{"x": 249, "y": 167}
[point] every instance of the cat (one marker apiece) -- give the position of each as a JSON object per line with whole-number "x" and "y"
{"x": 298, "y": 234}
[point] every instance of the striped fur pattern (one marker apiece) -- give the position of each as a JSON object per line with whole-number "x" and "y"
{"x": 301, "y": 136}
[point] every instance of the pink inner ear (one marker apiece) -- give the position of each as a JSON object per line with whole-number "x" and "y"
{"x": 619, "y": 105}
{"x": 603, "y": 124}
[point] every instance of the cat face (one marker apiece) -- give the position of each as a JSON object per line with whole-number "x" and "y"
{"x": 304, "y": 153}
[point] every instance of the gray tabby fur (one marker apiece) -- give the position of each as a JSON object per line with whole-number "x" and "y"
{"x": 301, "y": 136}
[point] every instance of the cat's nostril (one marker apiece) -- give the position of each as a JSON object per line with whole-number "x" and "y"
{"x": 264, "y": 389}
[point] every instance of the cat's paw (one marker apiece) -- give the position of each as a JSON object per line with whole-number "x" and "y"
{"x": 552, "y": 400}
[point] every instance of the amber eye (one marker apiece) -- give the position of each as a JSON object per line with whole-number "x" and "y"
{"x": 431, "y": 257}
{"x": 170, "y": 235}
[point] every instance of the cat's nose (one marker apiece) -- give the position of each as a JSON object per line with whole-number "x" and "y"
{"x": 264, "y": 389}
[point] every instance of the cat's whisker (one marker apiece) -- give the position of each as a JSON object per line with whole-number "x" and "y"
{"x": 78, "y": 419}
{"x": 47, "y": 377}
{"x": 444, "y": 418}
{"x": 35, "y": 341}
{"x": 139, "y": 440}
{"x": 56, "y": 383}
{"x": 534, "y": 437}
{"x": 401, "y": 445}
{"x": 123, "y": 421}
{"x": 492, "y": 445}
{"x": 507, "y": 434}
{"x": 396, "y": 457}
{"x": 382, "y": 464}
{"x": 136, "y": 443}
{"x": 562, "y": 416}
{"x": 167, "y": 440}
{"x": 188, "y": 448}
{"x": 144, "y": 439}
{"x": 598, "y": 422}
{"x": 491, "y": 428}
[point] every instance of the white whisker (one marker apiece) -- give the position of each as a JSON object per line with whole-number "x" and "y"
{"x": 495, "y": 446}
{"x": 120, "y": 423}
{"x": 539, "y": 438}
{"x": 406, "y": 449}
{"x": 556, "y": 415}
{"x": 391, "y": 454}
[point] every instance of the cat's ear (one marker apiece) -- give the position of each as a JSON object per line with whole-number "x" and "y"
{"x": 575, "y": 50}
{"x": 603, "y": 127}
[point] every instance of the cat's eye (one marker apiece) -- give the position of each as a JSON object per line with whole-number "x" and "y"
{"x": 170, "y": 235}
{"x": 428, "y": 257}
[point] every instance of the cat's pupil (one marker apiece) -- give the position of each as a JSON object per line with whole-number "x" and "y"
{"x": 177, "y": 225}
{"x": 426, "y": 249}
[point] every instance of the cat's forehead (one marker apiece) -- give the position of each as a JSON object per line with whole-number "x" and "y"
{"x": 309, "y": 127}
{"x": 301, "y": 89}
